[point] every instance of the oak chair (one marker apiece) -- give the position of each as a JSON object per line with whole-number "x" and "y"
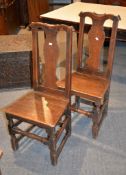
{"x": 45, "y": 106}
{"x": 91, "y": 81}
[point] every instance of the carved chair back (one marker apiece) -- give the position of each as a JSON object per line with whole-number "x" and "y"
{"x": 46, "y": 79}
{"x": 96, "y": 38}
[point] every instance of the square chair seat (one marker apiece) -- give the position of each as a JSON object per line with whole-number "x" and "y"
{"x": 38, "y": 107}
{"x": 90, "y": 86}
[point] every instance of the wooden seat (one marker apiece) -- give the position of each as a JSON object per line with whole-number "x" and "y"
{"x": 91, "y": 81}
{"x": 41, "y": 108}
{"x": 97, "y": 89}
{"x": 45, "y": 106}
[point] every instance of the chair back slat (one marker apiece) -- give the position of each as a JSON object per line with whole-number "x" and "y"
{"x": 96, "y": 37}
{"x": 51, "y": 54}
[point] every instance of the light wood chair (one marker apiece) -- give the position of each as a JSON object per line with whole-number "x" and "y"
{"x": 91, "y": 81}
{"x": 46, "y": 106}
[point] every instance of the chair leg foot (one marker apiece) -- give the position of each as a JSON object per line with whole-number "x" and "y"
{"x": 95, "y": 130}
{"x": 105, "y": 112}
{"x": 14, "y": 143}
{"x": 52, "y": 147}
{"x": 53, "y": 159}
{"x": 68, "y": 127}
{"x": 77, "y": 100}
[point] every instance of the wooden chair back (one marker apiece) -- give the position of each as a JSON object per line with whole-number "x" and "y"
{"x": 96, "y": 38}
{"x": 51, "y": 57}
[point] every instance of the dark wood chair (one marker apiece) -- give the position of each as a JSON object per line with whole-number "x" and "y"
{"x": 91, "y": 81}
{"x": 45, "y": 106}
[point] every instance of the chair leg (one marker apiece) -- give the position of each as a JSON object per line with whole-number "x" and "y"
{"x": 99, "y": 115}
{"x": 106, "y": 106}
{"x": 95, "y": 119}
{"x": 77, "y": 101}
{"x": 14, "y": 141}
{"x": 95, "y": 129}
{"x": 68, "y": 127}
{"x": 52, "y": 146}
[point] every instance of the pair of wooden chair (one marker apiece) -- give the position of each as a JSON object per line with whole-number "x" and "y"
{"x": 48, "y": 106}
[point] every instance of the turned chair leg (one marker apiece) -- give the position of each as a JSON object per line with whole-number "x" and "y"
{"x": 52, "y": 146}
{"x": 95, "y": 120}
{"x": 77, "y": 101}
{"x": 14, "y": 142}
{"x": 95, "y": 129}
{"x": 106, "y": 105}
{"x": 68, "y": 127}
